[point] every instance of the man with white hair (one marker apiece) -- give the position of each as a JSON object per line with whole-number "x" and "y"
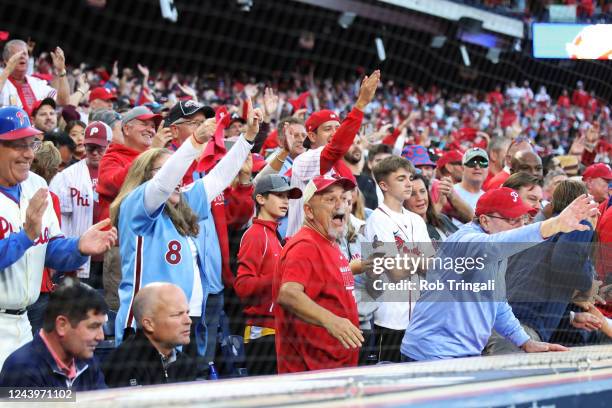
{"x": 19, "y": 89}
{"x": 79, "y": 204}
{"x": 150, "y": 356}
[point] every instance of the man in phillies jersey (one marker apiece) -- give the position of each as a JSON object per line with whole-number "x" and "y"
{"x": 30, "y": 236}
{"x": 329, "y": 141}
{"x": 76, "y": 189}
{"x": 316, "y": 314}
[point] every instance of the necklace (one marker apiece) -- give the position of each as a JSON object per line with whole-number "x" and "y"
{"x": 331, "y": 242}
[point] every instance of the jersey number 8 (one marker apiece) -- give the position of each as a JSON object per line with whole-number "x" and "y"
{"x": 173, "y": 256}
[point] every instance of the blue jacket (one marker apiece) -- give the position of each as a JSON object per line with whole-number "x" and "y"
{"x": 32, "y": 365}
{"x": 542, "y": 280}
{"x": 449, "y": 323}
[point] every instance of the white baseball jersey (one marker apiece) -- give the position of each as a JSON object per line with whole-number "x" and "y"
{"x": 20, "y": 282}
{"x": 305, "y": 167}
{"x": 42, "y": 90}
{"x": 400, "y": 233}
{"x": 76, "y": 196}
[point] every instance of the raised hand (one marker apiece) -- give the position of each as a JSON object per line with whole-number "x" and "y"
{"x": 34, "y": 213}
{"x": 254, "y": 118}
{"x": 586, "y": 321}
{"x": 205, "y": 131}
{"x": 59, "y": 60}
{"x": 187, "y": 90}
{"x": 13, "y": 61}
{"x": 98, "y": 238}
{"x": 162, "y": 137}
{"x": 367, "y": 90}
{"x": 270, "y": 101}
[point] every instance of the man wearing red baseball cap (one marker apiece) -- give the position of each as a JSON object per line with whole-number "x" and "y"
{"x": 30, "y": 235}
{"x": 76, "y": 188}
{"x": 597, "y": 178}
{"x": 469, "y": 318}
{"x": 328, "y": 141}
{"x": 139, "y": 131}
{"x": 44, "y": 115}
{"x": 315, "y": 311}
{"x": 101, "y": 98}
{"x": 450, "y": 165}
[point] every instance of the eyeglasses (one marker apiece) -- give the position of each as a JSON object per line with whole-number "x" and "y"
{"x": 34, "y": 146}
{"x": 483, "y": 164}
{"x": 95, "y": 148}
{"x": 512, "y": 221}
{"x": 190, "y": 123}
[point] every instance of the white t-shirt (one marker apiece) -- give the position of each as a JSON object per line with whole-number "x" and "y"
{"x": 399, "y": 233}
{"x": 468, "y": 197}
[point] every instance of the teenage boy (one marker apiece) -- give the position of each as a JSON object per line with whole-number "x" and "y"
{"x": 400, "y": 232}
{"x": 260, "y": 249}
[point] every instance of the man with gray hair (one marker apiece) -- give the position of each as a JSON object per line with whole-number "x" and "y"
{"x": 22, "y": 90}
{"x": 150, "y": 356}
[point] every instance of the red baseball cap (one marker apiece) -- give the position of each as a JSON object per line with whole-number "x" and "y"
{"x": 597, "y": 170}
{"x": 319, "y": 117}
{"x": 449, "y": 157}
{"x": 98, "y": 133}
{"x": 505, "y": 201}
{"x": 320, "y": 183}
{"x": 259, "y": 162}
{"x": 102, "y": 93}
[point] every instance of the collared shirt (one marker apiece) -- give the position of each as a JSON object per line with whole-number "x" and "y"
{"x": 70, "y": 369}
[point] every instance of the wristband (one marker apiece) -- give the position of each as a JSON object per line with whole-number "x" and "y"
{"x": 62, "y": 74}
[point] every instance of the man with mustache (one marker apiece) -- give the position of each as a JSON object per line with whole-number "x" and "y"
{"x": 315, "y": 312}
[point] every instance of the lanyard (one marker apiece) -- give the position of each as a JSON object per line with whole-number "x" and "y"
{"x": 21, "y": 95}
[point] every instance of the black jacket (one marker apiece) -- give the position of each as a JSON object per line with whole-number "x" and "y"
{"x": 137, "y": 362}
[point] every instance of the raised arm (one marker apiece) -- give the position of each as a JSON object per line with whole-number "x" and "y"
{"x": 159, "y": 189}
{"x": 342, "y": 140}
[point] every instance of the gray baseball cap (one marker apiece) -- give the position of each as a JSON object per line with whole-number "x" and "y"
{"x": 142, "y": 113}
{"x": 473, "y": 153}
{"x": 273, "y": 183}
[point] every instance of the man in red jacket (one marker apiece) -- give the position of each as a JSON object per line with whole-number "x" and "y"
{"x": 317, "y": 325}
{"x": 260, "y": 249}
{"x": 138, "y": 127}
{"x": 328, "y": 141}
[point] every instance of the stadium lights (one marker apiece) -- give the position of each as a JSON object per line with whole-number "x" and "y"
{"x": 493, "y": 55}
{"x": 380, "y": 49}
{"x": 244, "y": 5}
{"x": 346, "y": 19}
{"x": 465, "y": 55}
{"x": 438, "y": 41}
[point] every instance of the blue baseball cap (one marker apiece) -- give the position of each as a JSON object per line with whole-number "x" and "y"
{"x": 15, "y": 124}
{"x": 418, "y": 155}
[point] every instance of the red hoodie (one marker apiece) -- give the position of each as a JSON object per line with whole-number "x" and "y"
{"x": 257, "y": 259}
{"x": 113, "y": 168}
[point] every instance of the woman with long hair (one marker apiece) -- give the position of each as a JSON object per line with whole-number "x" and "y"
{"x": 439, "y": 226}
{"x": 158, "y": 221}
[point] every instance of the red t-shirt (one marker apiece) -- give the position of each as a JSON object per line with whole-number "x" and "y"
{"x": 314, "y": 262}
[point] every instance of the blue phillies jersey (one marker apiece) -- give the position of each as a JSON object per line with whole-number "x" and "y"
{"x": 152, "y": 250}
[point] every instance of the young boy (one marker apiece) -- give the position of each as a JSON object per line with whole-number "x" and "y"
{"x": 260, "y": 249}
{"x": 399, "y": 232}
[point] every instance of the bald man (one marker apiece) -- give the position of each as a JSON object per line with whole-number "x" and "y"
{"x": 528, "y": 162}
{"x": 150, "y": 357}
{"x": 520, "y": 144}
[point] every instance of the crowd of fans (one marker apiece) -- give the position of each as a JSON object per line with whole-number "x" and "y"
{"x": 218, "y": 225}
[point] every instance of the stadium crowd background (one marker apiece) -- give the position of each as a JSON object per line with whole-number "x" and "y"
{"x": 567, "y": 125}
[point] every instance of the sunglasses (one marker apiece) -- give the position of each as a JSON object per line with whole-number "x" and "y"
{"x": 483, "y": 164}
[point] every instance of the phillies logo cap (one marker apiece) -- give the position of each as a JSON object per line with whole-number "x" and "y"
{"x": 98, "y": 133}
{"x": 321, "y": 183}
{"x": 504, "y": 201}
{"x": 15, "y": 124}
